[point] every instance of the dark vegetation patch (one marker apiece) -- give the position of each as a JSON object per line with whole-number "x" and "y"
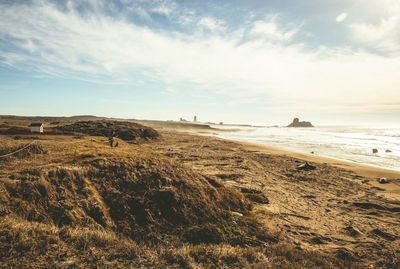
{"x": 383, "y": 234}
{"x": 14, "y": 130}
{"x": 229, "y": 176}
{"x": 127, "y": 131}
{"x": 254, "y": 195}
{"x": 144, "y": 199}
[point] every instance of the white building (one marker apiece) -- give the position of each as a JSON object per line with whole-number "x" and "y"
{"x": 36, "y": 127}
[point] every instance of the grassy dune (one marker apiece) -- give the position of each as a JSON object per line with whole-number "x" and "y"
{"x": 74, "y": 202}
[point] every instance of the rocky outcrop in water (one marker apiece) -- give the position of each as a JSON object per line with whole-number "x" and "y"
{"x": 297, "y": 123}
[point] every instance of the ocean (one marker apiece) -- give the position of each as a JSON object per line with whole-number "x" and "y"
{"x": 354, "y": 144}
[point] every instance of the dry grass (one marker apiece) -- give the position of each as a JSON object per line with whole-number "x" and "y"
{"x": 83, "y": 204}
{"x": 32, "y": 245}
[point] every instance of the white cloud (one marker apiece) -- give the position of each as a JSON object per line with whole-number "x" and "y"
{"x": 211, "y": 24}
{"x": 382, "y": 32}
{"x": 145, "y": 9}
{"x": 163, "y": 9}
{"x": 113, "y": 50}
{"x": 384, "y": 36}
{"x": 270, "y": 30}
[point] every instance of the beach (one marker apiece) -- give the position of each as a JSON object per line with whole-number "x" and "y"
{"x": 391, "y": 189}
{"x": 373, "y": 145}
{"x": 339, "y": 207}
{"x": 181, "y": 196}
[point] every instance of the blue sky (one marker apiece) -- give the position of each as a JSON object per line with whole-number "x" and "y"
{"x": 261, "y": 62}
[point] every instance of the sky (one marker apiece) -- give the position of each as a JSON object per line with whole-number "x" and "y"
{"x": 251, "y": 61}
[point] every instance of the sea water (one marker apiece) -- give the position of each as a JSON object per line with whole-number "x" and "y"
{"x": 354, "y": 144}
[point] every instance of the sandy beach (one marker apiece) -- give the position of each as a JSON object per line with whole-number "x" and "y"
{"x": 391, "y": 189}
{"x": 338, "y": 207}
{"x": 181, "y": 197}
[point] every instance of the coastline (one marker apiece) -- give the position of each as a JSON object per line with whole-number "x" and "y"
{"x": 337, "y": 207}
{"x": 349, "y": 143}
{"x": 390, "y": 190}
{"x": 362, "y": 169}
{"x": 365, "y": 170}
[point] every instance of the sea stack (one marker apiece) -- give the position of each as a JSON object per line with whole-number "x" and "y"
{"x": 297, "y": 123}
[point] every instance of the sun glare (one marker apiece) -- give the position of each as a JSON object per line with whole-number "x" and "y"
{"x": 341, "y": 17}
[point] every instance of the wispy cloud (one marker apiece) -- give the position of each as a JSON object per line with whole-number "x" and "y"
{"x": 259, "y": 59}
{"x": 271, "y": 31}
{"x": 163, "y": 9}
{"x": 211, "y": 24}
{"x": 382, "y": 34}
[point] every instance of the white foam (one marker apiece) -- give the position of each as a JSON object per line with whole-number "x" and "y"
{"x": 346, "y": 143}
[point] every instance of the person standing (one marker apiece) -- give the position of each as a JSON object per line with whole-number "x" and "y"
{"x": 111, "y": 138}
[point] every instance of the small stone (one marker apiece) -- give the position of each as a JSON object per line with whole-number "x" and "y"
{"x": 374, "y": 150}
{"x": 236, "y": 214}
{"x": 306, "y": 166}
{"x": 383, "y": 180}
{"x": 388, "y": 151}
